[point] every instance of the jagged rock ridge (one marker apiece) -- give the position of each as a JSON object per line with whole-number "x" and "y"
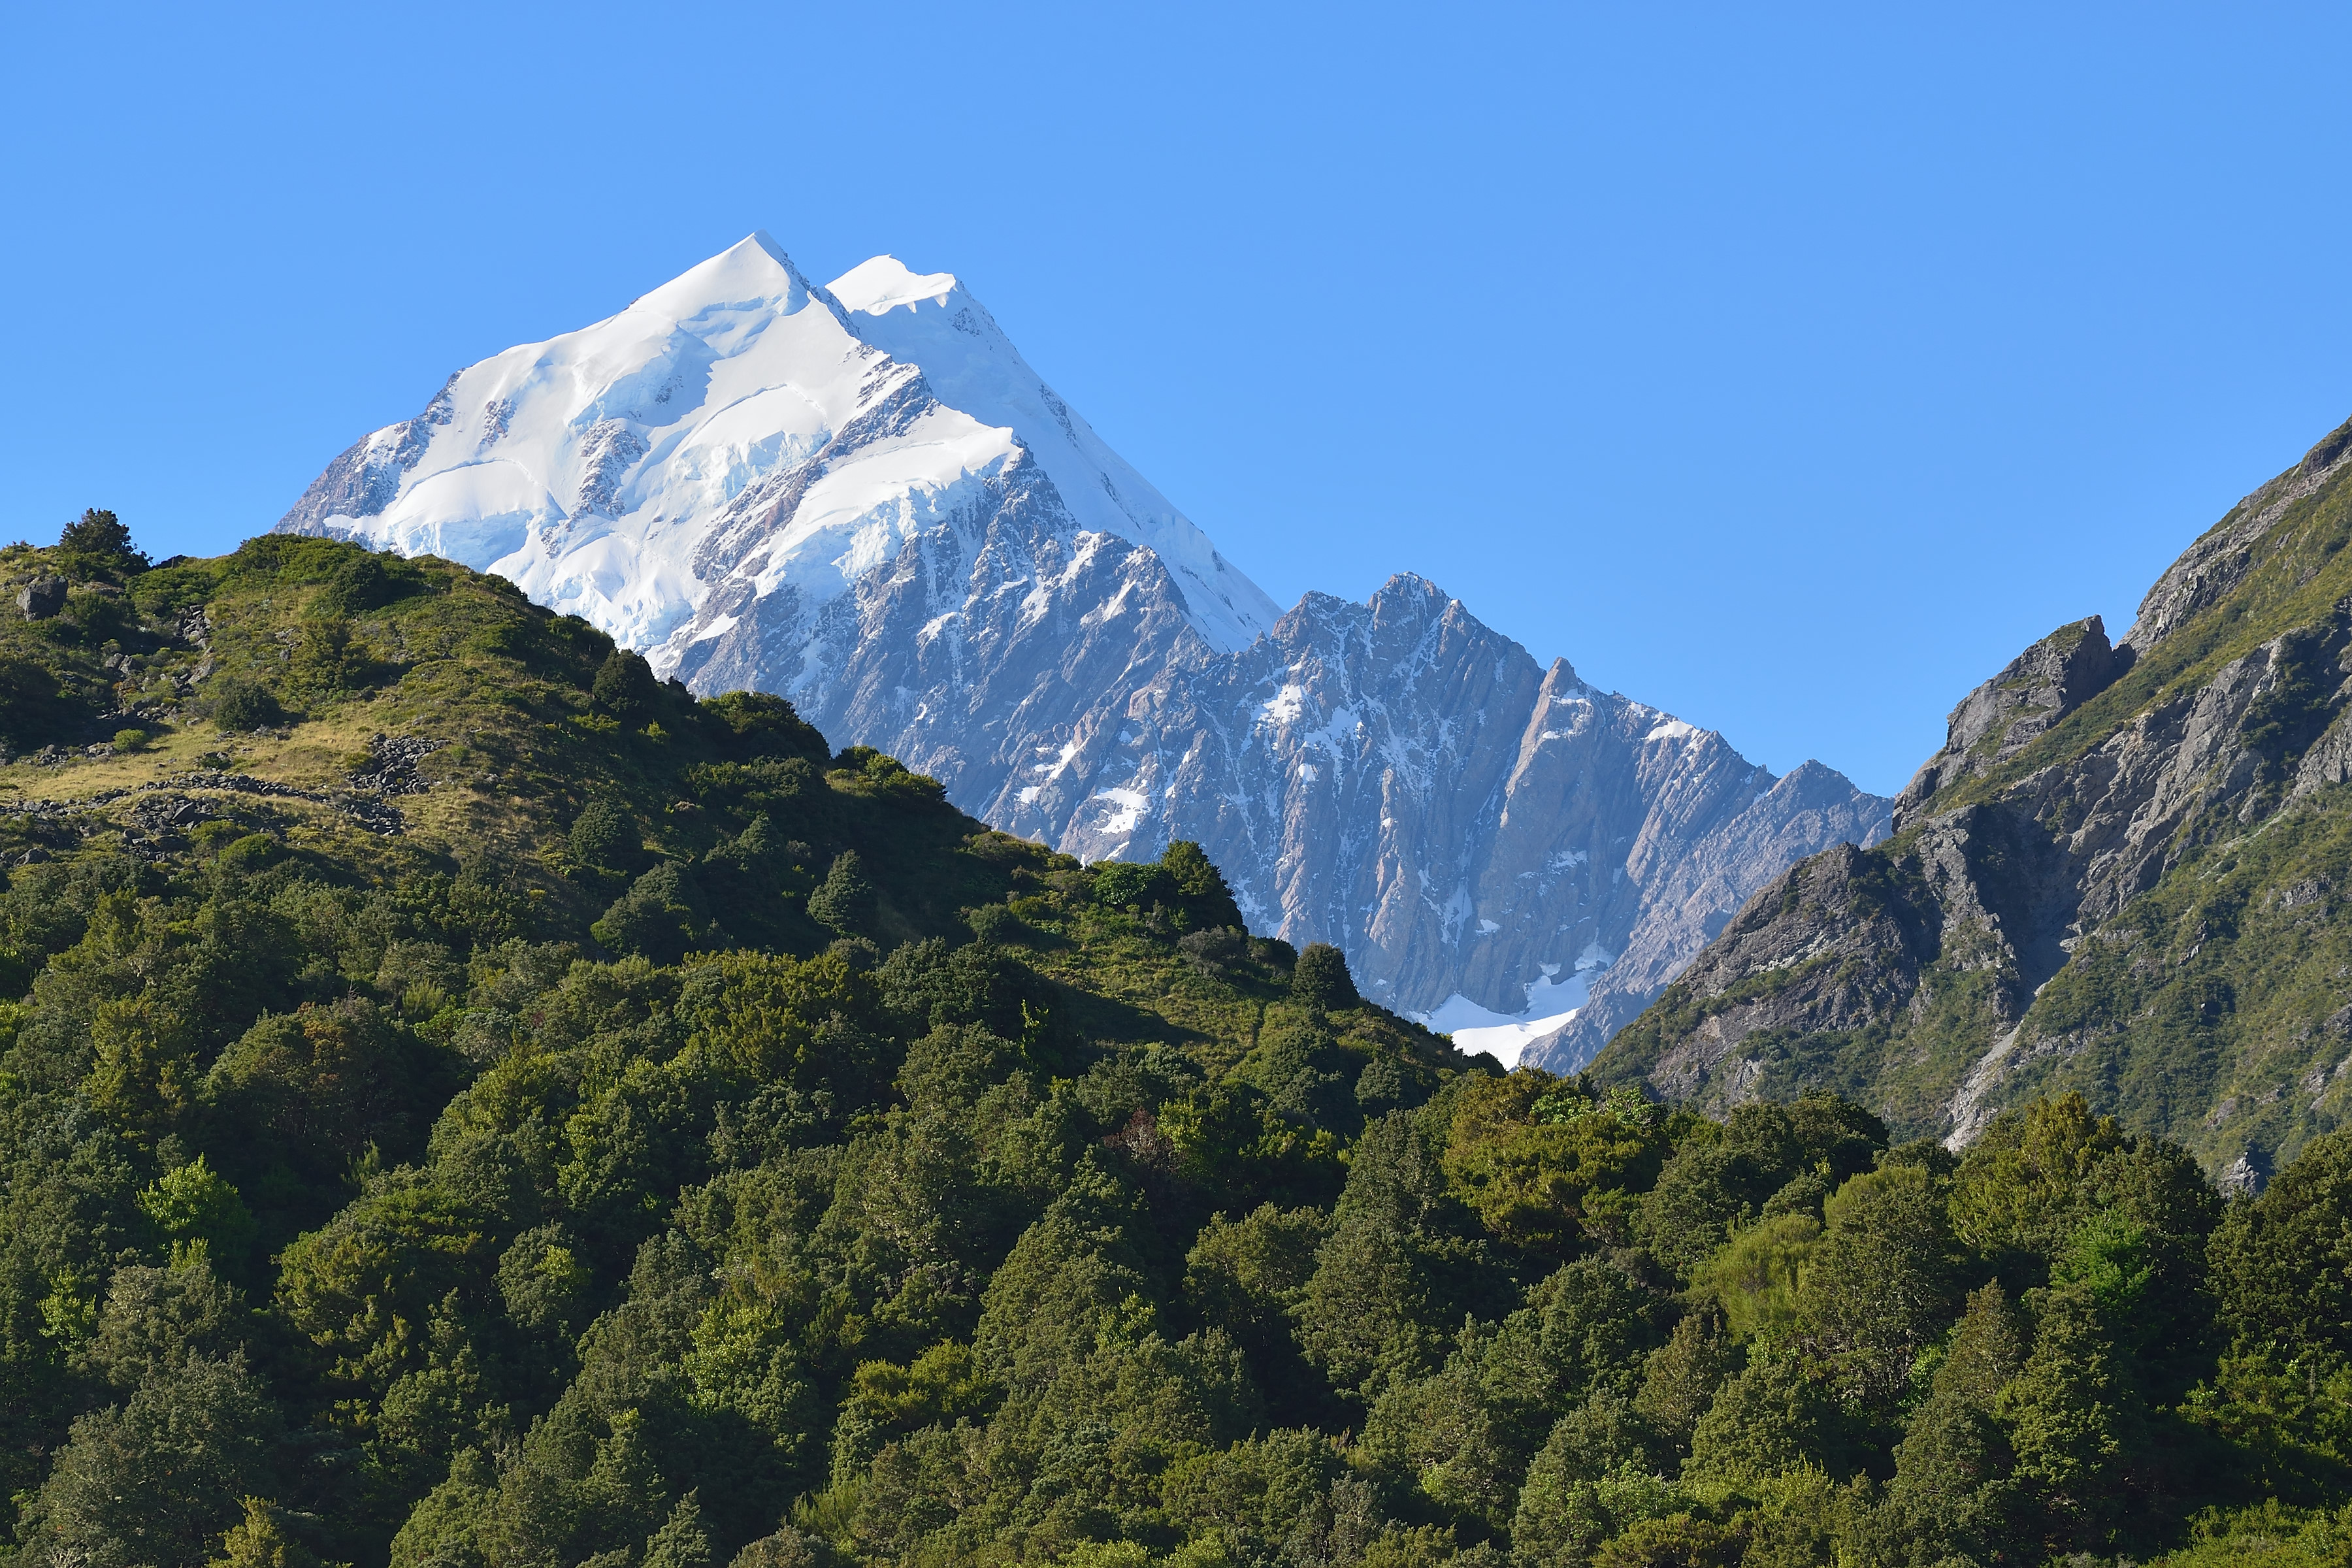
{"x": 2121, "y": 874}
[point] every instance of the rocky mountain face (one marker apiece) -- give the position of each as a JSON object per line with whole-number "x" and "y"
{"x": 860, "y": 496}
{"x": 1399, "y": 780}
{"x": 2123, "y": 874}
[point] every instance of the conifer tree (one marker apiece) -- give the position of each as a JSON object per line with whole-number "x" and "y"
{"x": 625, "y": 686}
{"x": 1321, "y": 981}
{"x": 100, "y": 534}
{"x": 846, "y": 903}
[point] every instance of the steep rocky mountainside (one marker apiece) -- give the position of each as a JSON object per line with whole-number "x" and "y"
{"x": 2123, "y": 874}
{"x": 1399, "y": 780}
{"x": 1394, "y": 777}
{"x": 859, "y": 496}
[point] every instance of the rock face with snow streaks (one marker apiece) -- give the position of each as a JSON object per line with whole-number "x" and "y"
{"x": 859, "y": 495}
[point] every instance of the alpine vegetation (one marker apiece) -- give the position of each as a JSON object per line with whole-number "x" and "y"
{"x": 467, "y": 1099}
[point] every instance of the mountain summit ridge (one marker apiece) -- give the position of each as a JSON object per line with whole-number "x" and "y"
{"x": 738, "y": 371}
{"x": 860, "y": 496}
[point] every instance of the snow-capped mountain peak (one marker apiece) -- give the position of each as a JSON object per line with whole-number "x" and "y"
{"x": 755, "y": 272}
{"x": 742, "y": 430}
{"x": 885, "y": 283}
{"x": 860, "y": 495}
{"x": 930, "y": 321}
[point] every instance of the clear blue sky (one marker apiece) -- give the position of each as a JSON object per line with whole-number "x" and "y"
{"x": 1790, "y": 368}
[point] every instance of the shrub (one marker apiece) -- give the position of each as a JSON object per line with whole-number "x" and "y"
{"x": 662, "y": 916}
{"x": 602, "y": 836}
{"x": 1210, "y": 952}
{"x": 100, "y": 534}
{"x": 240, "y": 704}
{"x": 191, "y": 1204}
{"x": 995, "y": 924}
{"x": 625, "y": 686}
{"x": 1322, "y": 979}
{"x": 847, "y": 903}
{"x": 32, "y": 710}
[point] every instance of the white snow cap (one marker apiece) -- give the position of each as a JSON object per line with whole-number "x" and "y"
{"x": 930, "y": 321}
{"x": 592, "y": 469}
{"x": 886, "y": 283}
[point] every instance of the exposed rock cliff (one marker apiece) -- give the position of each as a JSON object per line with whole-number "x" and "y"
{"x": 2120, "y": 874}
{"x": 1392, "y": 777}
{"x": 2003, "y": 716}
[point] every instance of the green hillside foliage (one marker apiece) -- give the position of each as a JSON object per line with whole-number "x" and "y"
{"x": 467, "y": 1103}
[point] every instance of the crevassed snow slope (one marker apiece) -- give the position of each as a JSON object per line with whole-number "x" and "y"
{"x": 740, "y": 422}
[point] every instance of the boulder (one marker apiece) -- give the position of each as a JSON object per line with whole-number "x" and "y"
{"x": 42, "y": 597}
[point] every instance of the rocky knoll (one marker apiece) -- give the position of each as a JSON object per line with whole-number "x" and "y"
{"x": 2120, "y": 874}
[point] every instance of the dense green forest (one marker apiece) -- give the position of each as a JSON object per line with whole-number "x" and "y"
{"x": 470, "y": 1103}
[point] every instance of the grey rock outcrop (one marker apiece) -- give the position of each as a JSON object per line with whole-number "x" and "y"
{"x": 41, "y": 598}
{"x": 364, "y": 478}
{"x": 2007, "y": 713}
{"x": 1705, "y": 883}
{"x": 1927, "y": 956}
{"x": 2006, "y": 888}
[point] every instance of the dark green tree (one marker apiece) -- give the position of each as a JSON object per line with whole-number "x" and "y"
{"x": 1764, "y": 1158}
{"x": 99, "y": 533}
{"x": 604, "y": 836}
{"x": 363, "y": 582}
{"x": 662, "y": 916}
{"x": 1400, "y": 1270}
{"x": 1680, "y": 1379}
{"x": 1781, "y": 1413}
{"x": 2073, "y": 1419}
{"x": 1321, "y": 980}
{"x": 1880, "y": 1285}
{"x": 625, "y": 686}
{"x": 846, "y": 902}
{"x": 154, "y": 1320}
{"x": 2279, "y": 1262}
{"x": 1208, "y": 900}
{"x": 1953, "y": 1489}
{"x": 302, "y": 1090}
{"x": 161, "y": 1477}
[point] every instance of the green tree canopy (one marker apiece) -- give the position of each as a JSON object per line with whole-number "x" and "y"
{"x": 1321, "y": 980}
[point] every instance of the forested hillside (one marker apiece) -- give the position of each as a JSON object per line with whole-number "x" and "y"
{"x": 468, "y": 1103}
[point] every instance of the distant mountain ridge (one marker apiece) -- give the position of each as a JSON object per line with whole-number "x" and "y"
{"x": 860, "y": 496}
